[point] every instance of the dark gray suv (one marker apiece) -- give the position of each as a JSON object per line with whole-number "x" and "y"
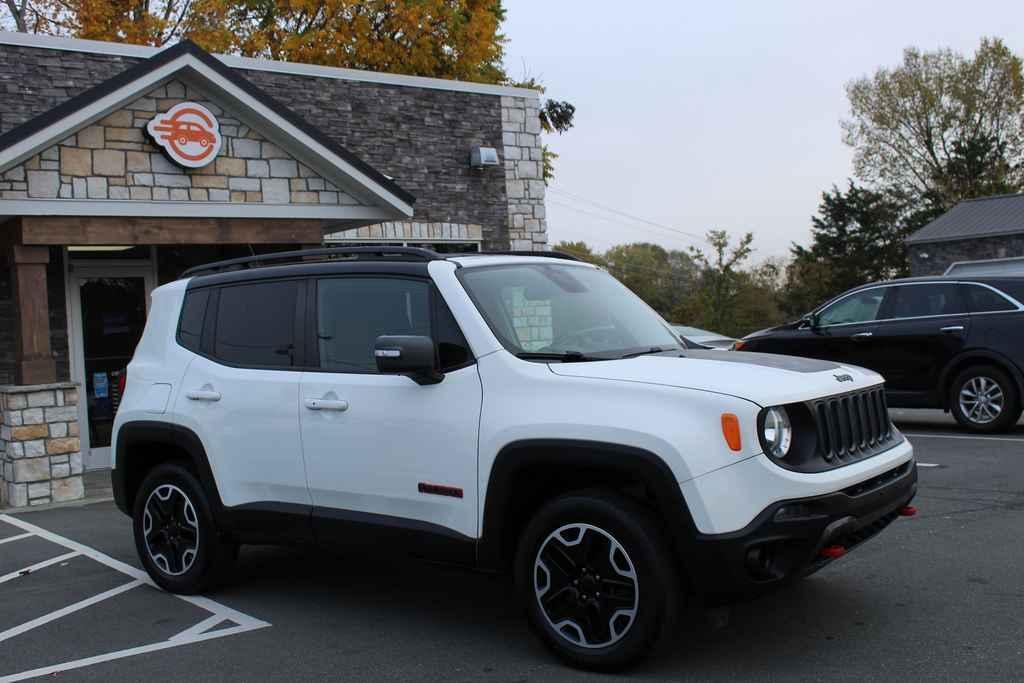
{"x": 944, "y": 342}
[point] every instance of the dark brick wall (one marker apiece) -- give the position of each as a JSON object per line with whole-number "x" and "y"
{"x": 55, "y": 292}
{"x": 58, "y": 320}
{"x": 421, "y": 137}
{"x": 941, "y": 255}
{"x": 7, "y": 326}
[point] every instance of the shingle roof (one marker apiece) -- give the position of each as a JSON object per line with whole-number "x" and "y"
{"x": 982, "y": 217}
{"x": 186, "y": 47}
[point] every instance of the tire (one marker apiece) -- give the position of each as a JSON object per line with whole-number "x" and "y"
{"x": 175, "y": 535}
{"x": 583, "y": 532}
{"x": 984, "y": 398}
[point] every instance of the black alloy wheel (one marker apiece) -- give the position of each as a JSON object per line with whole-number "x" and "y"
{"x": 597, "y": 579}
{"x": 175, "y": 534}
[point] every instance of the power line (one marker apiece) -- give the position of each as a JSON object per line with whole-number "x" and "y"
{"x": 626, "y": 215}
{"x": 563, "y": 204}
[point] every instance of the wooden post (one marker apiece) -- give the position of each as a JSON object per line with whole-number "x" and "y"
{"x": 35, "y": 363}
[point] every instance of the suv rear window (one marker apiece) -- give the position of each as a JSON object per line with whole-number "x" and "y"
{"x": 916, "y": 301}
{"x": 193, "y": 312}
{"x": 256, "y": 324}
{"x": 984, "y": 300}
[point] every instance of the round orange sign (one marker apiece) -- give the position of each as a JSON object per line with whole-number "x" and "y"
{"x": 189, "y": 134}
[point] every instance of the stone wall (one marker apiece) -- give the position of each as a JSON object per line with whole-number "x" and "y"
{"x": 524, "y": 173}
{"x": 422, "y": 137}
{"x": 40, "y": 457}
{"x": 935, "y": 258}
{"x": 115, "y": 159}
{"x": 410, "y": 231}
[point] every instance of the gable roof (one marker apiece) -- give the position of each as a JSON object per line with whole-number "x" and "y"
{"x": 186, "y": 60}
{"x": 971, "y": 218}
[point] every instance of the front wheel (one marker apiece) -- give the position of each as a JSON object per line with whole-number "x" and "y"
{"x": 175, "y": 534}
{"x": 984, "y": 398}
{"x": 597, "y": 579}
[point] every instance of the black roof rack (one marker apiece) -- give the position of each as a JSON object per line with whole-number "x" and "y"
{"x": 381, "y": 252}
{"x": 322, "y": 254}
{"x": 547, "y": 254}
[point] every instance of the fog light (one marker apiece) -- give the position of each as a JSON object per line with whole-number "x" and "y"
{"x": 788, "y": 513}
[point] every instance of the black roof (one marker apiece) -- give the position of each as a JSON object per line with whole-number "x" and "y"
{"x": 984, "y": 279}
{"x": 276, "y": 264}
{"x": 982, "y": 217}
{"x": 163, "y": 57}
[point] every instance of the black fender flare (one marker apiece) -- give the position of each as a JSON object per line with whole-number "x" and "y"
{"x": 151, "y": 432}
{"x": 635, "y": 463}
{"x": 993, "y": 357}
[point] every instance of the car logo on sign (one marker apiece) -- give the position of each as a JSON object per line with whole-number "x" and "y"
{"x": 189, "y": 133}
{"x": 843, "y": 378}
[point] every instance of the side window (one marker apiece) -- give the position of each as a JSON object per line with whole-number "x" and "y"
{"x": 452, "y": 349}
{"x": 353, "y": 312}
{"x": 861, "y": 307}
{"x": 193, "y": 311}
{"x": 915, "y": 301}
{"x": 256, "y": 324}
{"x": 984, "y": 300}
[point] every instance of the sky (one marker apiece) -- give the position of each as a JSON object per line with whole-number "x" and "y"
{"x": 716, "y": 115}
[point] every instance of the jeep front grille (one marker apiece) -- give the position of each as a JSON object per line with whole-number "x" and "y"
{"x": 852, "y": 426}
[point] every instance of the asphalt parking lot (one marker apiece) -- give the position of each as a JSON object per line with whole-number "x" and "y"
{"x": 939, "y": 596}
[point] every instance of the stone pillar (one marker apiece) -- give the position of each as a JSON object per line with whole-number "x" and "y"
{"x": 40, "y": 460}
{"x": 35, "y": 364}
{"x": 524, "y": 173}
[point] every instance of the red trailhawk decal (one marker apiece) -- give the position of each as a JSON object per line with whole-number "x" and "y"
{"x": 189, "y": 134}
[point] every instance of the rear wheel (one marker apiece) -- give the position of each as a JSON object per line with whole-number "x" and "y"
{"x": 984, "y": 398}
{"x": 175, "y": 534}
{"x": 597, "y": 579}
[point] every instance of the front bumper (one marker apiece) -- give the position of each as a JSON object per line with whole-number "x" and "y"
{"x": 785, "y": 540}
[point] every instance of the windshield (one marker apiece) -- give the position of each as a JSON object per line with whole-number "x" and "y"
{"x": 560, "y": 310}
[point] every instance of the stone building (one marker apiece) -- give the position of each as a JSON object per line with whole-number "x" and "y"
{"x": 120, "y": 166}
{"x": 983, "y": 236}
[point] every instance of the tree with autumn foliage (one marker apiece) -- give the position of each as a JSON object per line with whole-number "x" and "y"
{"x": 457, "y": 39}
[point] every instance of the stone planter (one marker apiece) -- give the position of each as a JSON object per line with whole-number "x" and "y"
{"x": 40, "y": 456}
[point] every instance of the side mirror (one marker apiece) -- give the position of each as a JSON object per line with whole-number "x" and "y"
{"x": 412, "y": 356}
{"x": 811, "y": 320}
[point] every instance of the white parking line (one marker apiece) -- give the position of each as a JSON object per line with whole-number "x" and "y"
{"x": 194, "y": 634}
{"x": 64, "y": 611}
{"x": 14, "y": 538}
{"x": 964, "y": 436}
{"x": 38, "y": 565}
{"x": 928, "y": 464}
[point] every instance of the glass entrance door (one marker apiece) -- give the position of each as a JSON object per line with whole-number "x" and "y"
{"x": 109, "y": 316}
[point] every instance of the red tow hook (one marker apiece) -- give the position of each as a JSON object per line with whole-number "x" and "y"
{"x": 908, "y": 511}
{"x": 833, "y": 551}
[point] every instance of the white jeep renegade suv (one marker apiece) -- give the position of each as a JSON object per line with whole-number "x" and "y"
{"x": 507, "y": 412}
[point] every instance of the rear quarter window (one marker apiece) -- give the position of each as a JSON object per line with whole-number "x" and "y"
{"x": 193, "y": 313}
{"x": 984, "y": 300}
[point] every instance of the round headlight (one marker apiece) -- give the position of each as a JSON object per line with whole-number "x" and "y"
{"x": 777, "y": 432}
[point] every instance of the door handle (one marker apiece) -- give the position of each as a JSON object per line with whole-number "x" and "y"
{"x": 953, "y": 328}
{"x": 203, "y": 395}
{"x": 861, "y": 335}
{"x": 326, "y": 404}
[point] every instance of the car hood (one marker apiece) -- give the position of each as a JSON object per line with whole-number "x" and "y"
{"x": 766, "y": 379}
{"x": 778, "y": 328}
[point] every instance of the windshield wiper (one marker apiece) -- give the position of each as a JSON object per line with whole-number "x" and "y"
{"x": 645, "y": 352}
{"x": 563, "y": 356}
